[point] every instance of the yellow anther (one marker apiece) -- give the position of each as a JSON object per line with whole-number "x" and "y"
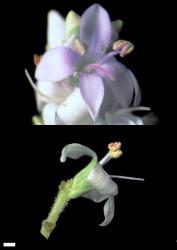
{"x": 114, "y": 148}
{"x": 79, "y": 47}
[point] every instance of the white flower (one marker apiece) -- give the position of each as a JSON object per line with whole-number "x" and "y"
{"x": 101, "y": 186}
{"x": 92, "y": 182}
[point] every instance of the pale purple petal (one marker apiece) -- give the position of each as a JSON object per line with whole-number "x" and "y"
{"x": 124, "y": 84}
{"x": 116, "y": 28}
{"x": 137, "y": 91}
{"x": 126, "y": 117}
{"x": 107, "y": 104}
{"x": 57, "y": 64}
{"x": 123, "y": 119}
{"x": 96, "y": 29}
{"x": 92, "y": 91}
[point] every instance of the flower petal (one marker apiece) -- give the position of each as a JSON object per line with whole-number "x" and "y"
{"x": 108, "y": 207}
{"x": 106, "y": 106}
{"x": 95, "y": 196}
{"x": 57, "y": 90}
{"x": 73, "y": 111}
{"x": 55, "y": 29}
{"x": 72, "y": 25}
{"x": 57, "y": 64}
{"x": 150, "y": 119}
{"x": 124, "y": 85}
{"x": 75, "y": 151}
{"x": 96, "y": 29}
{"x": 104, "y": 187}
{"x": 123, "y": 119}
{"x": 137, "y": 91}
{"x": 108, "y": 211}
{"x": 49, "y": 114}
{"x": 92, "y": 91}
{"x": 102, "y": 182}
{"x": 116, "y": 28}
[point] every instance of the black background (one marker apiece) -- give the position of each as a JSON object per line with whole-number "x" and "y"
{"x": 32, "y": 170}
{"x": 33, "y": 173}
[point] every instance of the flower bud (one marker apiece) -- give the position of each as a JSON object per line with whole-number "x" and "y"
{"x": 72, "y": 24}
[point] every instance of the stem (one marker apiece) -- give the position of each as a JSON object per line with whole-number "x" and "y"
{"x": 60, "y": 202}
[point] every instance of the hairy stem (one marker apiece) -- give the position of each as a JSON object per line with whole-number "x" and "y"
{"x": 60, "y": 202}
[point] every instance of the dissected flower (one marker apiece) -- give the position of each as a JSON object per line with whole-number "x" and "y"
{"x": 80, "y": 74}
{"x": 92, "y": 182}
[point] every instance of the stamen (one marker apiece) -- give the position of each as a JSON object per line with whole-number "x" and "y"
{"x": 114, "y": 148}
{"x": 33, "y": 85}
{"x": 79, "y": 47}
{"x": 127, "y": 178}
{"x": 114, "y": 152}
{"x": 105, "y": 159}
{"x": 124, "y": 46}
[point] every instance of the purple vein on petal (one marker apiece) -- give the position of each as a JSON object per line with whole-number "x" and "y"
{"x": 108, "y": 56}
{"x": 92, "y": 91}
{"x": 97, "y": 66}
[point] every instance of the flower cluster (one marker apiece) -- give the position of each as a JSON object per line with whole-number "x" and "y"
{"x": 79, "y": 80}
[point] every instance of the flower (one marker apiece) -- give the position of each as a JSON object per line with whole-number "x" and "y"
{"x": 59, "y": 32}
{"x": 79, "y": 81}
{"x": 92, "y": 182}
{"x": 105, "y": 84}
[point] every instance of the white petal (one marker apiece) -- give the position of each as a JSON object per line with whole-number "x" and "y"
{"x": 150, "y": 119}
{"x": 101, "y": 182}
{"x": 73, "y": 111}
{"x": 75, "y": 151}
{"x": 95, "y": 196}
{"x": 49, "y": 114}
{"x": 108, "y": 211}
{"x": 57, "y": 90}
{"x": 137, "y": 91}
{"x": 123, "y": 119}
{"x": 55, "y": 29}
{"x": 116, "y": 28}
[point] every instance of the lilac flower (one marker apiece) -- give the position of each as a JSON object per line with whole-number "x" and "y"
{"x": 105, "y": 84}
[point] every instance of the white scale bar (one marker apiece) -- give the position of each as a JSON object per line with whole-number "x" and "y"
{"x": 9, "y": 244}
